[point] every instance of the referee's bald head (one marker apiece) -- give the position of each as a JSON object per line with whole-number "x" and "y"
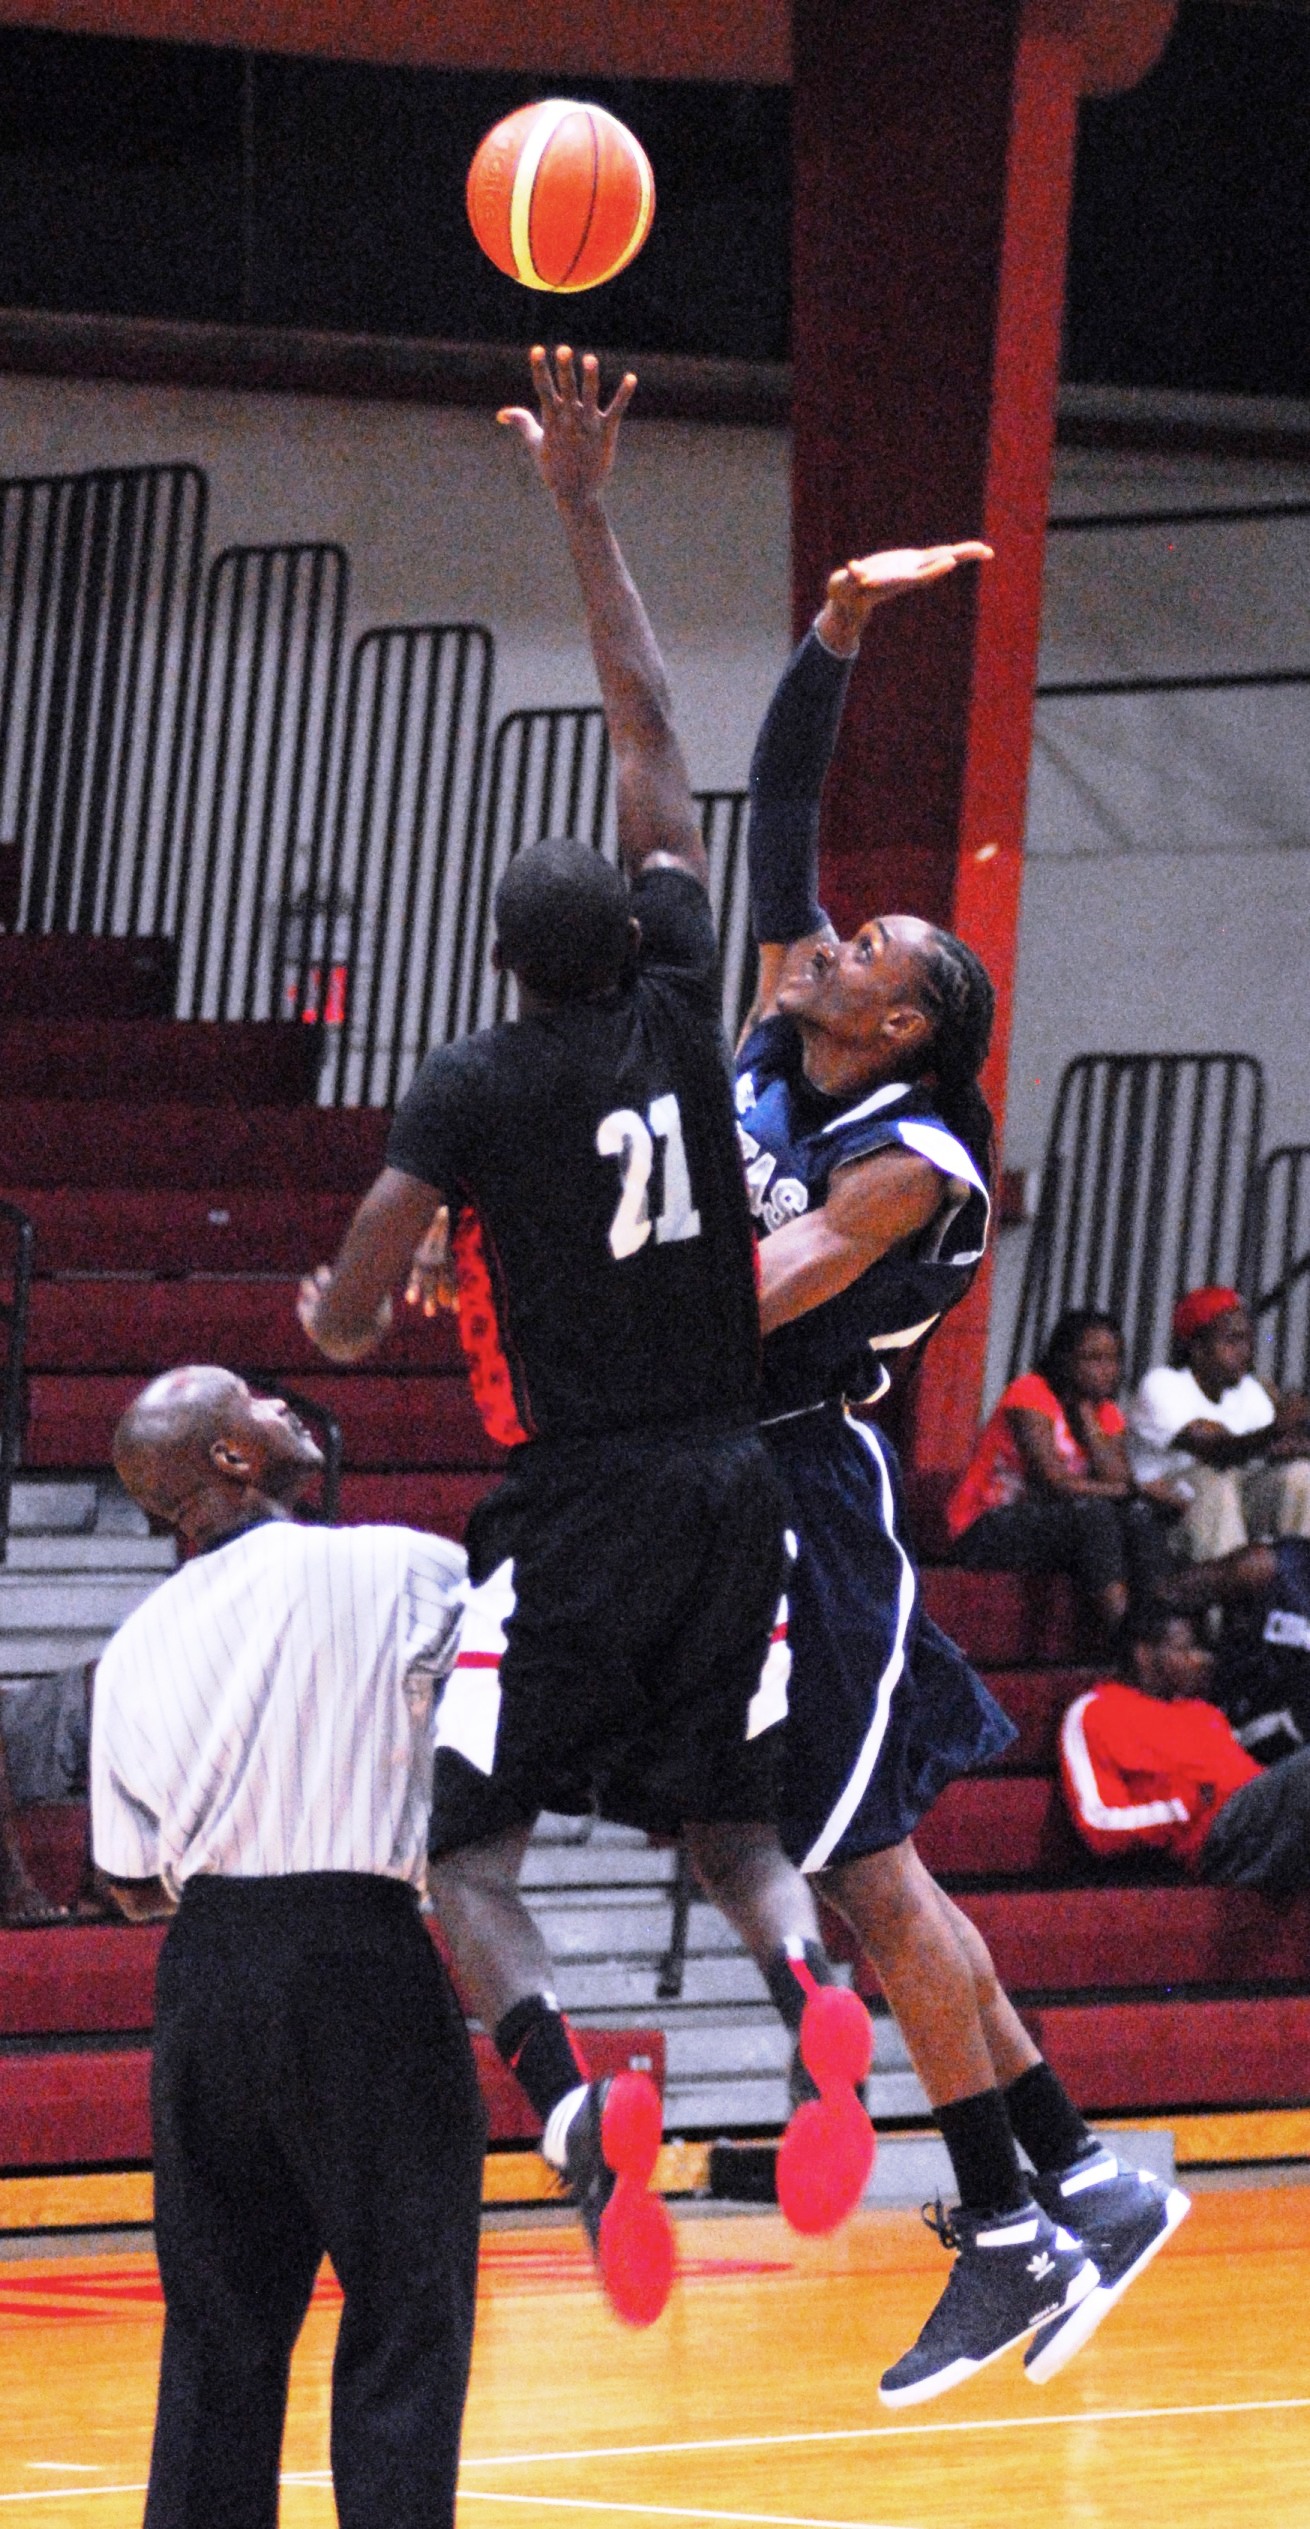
{"x": 197, "y": 1438}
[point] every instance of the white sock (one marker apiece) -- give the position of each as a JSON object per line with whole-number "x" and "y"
{"x": 554, "y": 2139}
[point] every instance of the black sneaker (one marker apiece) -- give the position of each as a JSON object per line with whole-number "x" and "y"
{"x": 1122, "y": 2217}
{"x": 1013, "y": 2272}
{"x": 610, "y": 2151}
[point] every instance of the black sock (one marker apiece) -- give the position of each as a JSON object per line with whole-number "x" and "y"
{"x": 536, "y": 2042}
{"x": 978, "y": 2135}
{"x": 1045, "y": 2120}
{"x": 792, "y": 1974}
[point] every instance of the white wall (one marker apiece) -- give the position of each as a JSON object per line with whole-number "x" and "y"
{"x": 442, "y": 520}
{"x": 1166, "y": 901}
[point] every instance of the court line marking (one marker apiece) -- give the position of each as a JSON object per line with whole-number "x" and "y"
{"x": 668, "y": 2511}
{"x": 755, "y": 2441}
{"x": 892, "y": 2432}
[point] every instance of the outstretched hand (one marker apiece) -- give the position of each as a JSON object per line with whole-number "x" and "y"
{"x": 574, "y": 442}
{"x": 859, "y": 586}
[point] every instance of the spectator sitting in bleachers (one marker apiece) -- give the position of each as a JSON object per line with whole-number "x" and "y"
{"x": 1049, "y": 1487}
{"x": 44, "y": 1736}
{"x": 1235, "y": 1454}
{"x": 1262, "y": 1656}
{"x": 1156, "y": 1766}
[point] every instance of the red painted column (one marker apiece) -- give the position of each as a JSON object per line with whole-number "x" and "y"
{"x": 933, "y": 153}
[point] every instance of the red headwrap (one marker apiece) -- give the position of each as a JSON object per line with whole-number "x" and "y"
{"x": 1200, "y": 1308}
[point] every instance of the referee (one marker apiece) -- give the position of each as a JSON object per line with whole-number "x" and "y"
{"x": 261, "y": 1754}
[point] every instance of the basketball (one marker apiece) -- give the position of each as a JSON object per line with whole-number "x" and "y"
{"x": 560, "y": 195}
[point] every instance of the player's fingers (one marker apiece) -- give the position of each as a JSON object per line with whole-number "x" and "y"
{"x": 542, "y": 379}
{"x": 621, "y": 398}
{"x": 565, "y": 379}
{"x": 590, "y": 383}
{"x": 524, "y": 424}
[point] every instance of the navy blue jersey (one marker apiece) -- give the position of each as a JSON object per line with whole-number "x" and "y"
{"x": 1263, "y": 1672}
{"x": 793, "y": 1139}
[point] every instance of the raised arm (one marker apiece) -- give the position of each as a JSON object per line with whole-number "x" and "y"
{"x": 573, "y": 444}
{"x": 795, "y": 747}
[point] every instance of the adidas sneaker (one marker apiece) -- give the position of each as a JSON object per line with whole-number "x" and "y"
{"x": 1013, "y": 2272}
{"x": 1122, "y": 2217}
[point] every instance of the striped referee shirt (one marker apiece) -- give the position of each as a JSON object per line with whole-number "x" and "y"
{"x": 270, "y": 1708}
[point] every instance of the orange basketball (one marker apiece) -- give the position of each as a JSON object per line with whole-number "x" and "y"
{"x": 560, "y": 195}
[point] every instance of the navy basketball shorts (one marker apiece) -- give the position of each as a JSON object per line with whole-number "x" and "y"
{"x": 884, "y": 1710}
{"x": 625, "y": 1598}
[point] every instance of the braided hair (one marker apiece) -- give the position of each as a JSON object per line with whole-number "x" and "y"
{"x": 958, "y": 990}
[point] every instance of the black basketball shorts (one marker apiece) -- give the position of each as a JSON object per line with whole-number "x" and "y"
{"x": 637, "y": 1584}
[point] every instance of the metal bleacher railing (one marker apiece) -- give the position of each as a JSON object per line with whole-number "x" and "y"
{"x": 1281, "y": 1280}
{"x": 1152, "y": 1180}
{"x": 1149, "y": 1186}
{"x": 253, "y": 816}
{"x": 178, "y": 757}
{"x": 550, "y": 773}
{"x": 99, "y": 588}
{"x": 373, "y": 949}
{"x": 16, "y": 1279}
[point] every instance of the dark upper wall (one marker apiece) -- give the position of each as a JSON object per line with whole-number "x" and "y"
{"x": 174, "y": 181}
{"x": 145, "y": 179}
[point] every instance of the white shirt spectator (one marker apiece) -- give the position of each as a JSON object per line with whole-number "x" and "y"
{"x": 1168, "y": 1400}
{"x": 270, "y": 1708}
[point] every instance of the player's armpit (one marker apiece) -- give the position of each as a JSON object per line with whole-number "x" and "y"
{"x": 347, "y": 1311}
{"x": 872, "y": 1205}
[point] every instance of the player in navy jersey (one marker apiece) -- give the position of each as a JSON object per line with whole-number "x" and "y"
{"x": 868, "y": 1152}
{"x": 587, "y": 1155}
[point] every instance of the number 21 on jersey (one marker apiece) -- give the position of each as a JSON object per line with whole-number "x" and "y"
{"x": 630, "y": 1138}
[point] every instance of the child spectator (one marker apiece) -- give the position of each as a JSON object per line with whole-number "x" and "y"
{"x": 1155, "y": 1766}
{"x": 1235, "y": 1455}
{"x": 1049, "y": 1487}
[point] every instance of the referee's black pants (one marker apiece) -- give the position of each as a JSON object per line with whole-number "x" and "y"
{"x": 313, "y": 2090}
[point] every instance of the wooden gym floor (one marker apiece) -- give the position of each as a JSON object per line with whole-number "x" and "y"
{"x": 753, "y": 2401}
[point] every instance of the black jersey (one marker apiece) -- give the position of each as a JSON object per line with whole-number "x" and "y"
{"x": 600, "y": 1229}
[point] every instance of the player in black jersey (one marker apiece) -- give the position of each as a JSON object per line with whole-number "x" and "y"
{"x": 587, "y": 1156}
{"x": 869, "y": 1157}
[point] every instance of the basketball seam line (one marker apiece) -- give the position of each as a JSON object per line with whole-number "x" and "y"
{"x": 591, "y": 206}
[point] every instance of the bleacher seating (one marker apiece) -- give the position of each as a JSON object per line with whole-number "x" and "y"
{"x": 180, "y": 1180}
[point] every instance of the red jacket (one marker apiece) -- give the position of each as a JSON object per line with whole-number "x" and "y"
{"x": 1139, "y": 1771}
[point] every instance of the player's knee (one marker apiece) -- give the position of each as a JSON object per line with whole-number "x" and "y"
{"x": 474, "y": 1871}
{"x": 728, "y": 1859}
{"x": 885, "y": 1898}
